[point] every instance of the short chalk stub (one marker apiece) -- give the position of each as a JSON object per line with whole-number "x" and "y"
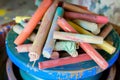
{"x": 33, "y": 56}
{"x": 46, "y": 54}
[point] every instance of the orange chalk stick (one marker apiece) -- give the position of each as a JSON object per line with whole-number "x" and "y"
{"x": 33, "y": 22}
{"x": 63, "y": 24}
{"x": 23, "y": 48}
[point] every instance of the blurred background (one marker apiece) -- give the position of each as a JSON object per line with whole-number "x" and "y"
{"x": 9, "y": 9}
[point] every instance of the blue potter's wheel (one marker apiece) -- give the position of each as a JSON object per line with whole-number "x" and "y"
{"x": 72, "y": 71}
{"x": 28, "y": 76}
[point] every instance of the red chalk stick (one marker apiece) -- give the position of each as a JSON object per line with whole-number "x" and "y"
{"x": 89, "y": 17}
{"x": 63, "y": 61}
{"x": 85, "y": 46}
{"x": 65, "y": 26}
{"x": 94, "y": 55}
{"x": 23, "y": 48}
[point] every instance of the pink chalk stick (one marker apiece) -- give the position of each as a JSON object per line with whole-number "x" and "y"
{"x": 94, "y": 55}
{"x": 23, "y": 48}
{"x": 65, "y": 26}
{"x": 63, "y": 61}
{"x": 85, "y": 46}
{"x": 87, "y": 17}
{"x": 54, "y": 55}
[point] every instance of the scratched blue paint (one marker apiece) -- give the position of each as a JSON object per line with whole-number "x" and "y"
{"x": 83, "y": 69}
{"x": 27, "y": 76}
{"x": 89, "y": 72}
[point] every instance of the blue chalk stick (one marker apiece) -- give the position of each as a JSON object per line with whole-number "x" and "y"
{"x": 50, "y": 42}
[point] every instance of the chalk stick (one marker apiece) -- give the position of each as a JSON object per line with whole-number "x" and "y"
{"x": 18, "y": 29}
{"x": 77, "y": 37}
{"x": 54, "y": 55}
{"x": 23, "y": 23}
{"x": 105, "y": 46}
{"x": 100, "y": 26}
{"x": 93, "y": 27}
{"x": 74, "y": 8}
{"x": 20, "y": 48}
{"x": 50, "y": 42}
{"x": 94, "y": 55}
{"x": 18, "y": 19}
{"x": 37, "y": 46}
{"x": 37, "y": 16}
{"x": 64, "y": 25}
{"x": 63, "y": 61}
{"x": 85, "y": 46}
{"x": 88, "y": 17}
{"x": 23, "y": 48}
{"x": 68, "y": 46}
{"x": 106, "y": 31}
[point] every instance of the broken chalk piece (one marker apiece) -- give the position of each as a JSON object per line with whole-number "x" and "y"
{"x": 68, "y": 46}
{"x": 50, "y": 42}
{"x": 77, "y": 37}
{"x": 63, "y": 61}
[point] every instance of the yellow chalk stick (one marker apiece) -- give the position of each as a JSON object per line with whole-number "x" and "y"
{"x": 18, "y": 19}
{"x": 105, "y": 46}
